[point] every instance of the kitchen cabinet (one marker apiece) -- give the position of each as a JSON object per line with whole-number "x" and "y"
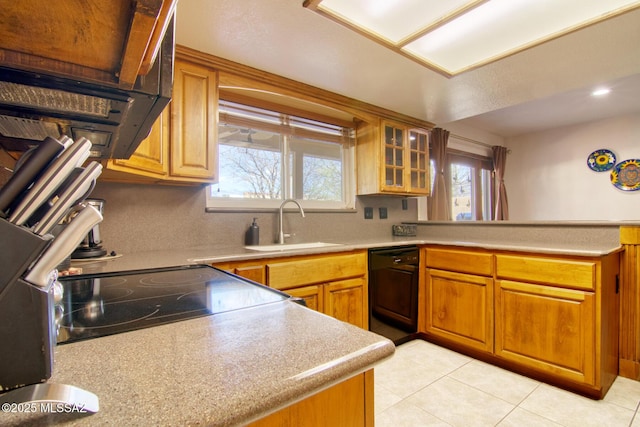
{"x": 194, "y": 128}
{"x": 150, "y": 160}
{"x": 548, "y": 328}
{"x": 334, "y": 284}
{"x": 629, "y": 296}
{"x": 559, "y": 316}
{"x": 549, "y": 315}
{"x": 63, "y": 37}
{"x": 459, "y": 293}
{"x": 252, "y": 270}
{"x": 392, "y": 158}
{"x": 181, "y": 148}
{"x": 349, "y": 403}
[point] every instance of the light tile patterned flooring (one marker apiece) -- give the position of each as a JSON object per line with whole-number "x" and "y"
{"x": 427, "y": 385}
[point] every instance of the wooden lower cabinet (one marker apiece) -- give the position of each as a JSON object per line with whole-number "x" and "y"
{"x": 553, "y": 317}
{"x": 341, "y": 299}
{"x": 460, "y": 308}
{"x": 252, "y": 270}
{"x": 312, "y": 295}
{"x": 344, "y": 300}
{"x": 347, "y": 404}
{"x": 547, "y": 328}
{"x": 334, "y": 284}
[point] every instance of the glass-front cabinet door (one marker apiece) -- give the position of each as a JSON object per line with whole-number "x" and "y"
{"x": 394, "y": 157}
{"x": 419, "y": 161}
{"x": 406, "y": 159}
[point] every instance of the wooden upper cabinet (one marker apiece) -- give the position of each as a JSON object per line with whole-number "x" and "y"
{"x": 103, "y": 41}
{"x": 392, "y": 158}
{"x": 181, "y": 148}
{"x": 194, "y": 129}
{"x": 150, "y": 158}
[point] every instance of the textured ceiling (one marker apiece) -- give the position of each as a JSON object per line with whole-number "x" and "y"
{"x": 540, "y": 88}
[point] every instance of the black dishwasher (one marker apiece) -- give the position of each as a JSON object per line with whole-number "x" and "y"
{"x": 393, "y": 292}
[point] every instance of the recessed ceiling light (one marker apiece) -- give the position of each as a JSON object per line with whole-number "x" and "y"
{"x": 601, "y": 92}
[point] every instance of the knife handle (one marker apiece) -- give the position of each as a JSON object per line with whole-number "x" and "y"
{"x": 34, "y": 163}
{"x": 75, "y": 193}
{"x": 50, "y": 180}
{"x": 63, "y": 245}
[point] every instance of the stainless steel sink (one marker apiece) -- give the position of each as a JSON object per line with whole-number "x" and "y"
{"x": 291, "y": 246}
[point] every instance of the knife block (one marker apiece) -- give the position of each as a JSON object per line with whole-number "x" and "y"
{"x": 19, "y": 247}
{"x": 27, "y": 330}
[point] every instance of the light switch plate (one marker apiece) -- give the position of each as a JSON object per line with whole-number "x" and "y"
{"x": 368, "y": 213}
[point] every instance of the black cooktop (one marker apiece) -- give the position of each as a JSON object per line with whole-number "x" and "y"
{"x": 109, "y": 303}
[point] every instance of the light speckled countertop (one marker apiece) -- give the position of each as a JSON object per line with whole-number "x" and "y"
{"x": 221, "y": 253}
{"x": 219, "y": 370}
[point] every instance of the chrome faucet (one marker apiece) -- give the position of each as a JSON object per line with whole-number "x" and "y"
{"x": 281, "y": 234}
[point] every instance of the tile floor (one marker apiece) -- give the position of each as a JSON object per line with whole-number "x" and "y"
{"x": 427, "y": 385}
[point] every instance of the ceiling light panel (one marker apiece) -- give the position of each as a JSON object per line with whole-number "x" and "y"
{"x": 458, "y": 35}
{"x": 501, "y": 27}
{"x": 392, "y": 20}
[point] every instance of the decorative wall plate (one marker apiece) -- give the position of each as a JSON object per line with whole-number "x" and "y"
{"x": 626, "y": 175}
{"x": 601, "y": 160}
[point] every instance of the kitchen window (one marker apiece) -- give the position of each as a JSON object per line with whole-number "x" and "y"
{"x": 266, "y": 156}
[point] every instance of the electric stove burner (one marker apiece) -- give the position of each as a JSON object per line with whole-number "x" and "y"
{"x": 103, "y": 304}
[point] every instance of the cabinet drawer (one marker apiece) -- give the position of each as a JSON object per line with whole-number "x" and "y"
{"x": 555, "y": 271}
{"x": 322, "y": 269}
{"x": 461, "y": 261}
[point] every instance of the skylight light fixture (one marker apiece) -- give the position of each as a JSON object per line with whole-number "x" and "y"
{"x": 454, "y": 36}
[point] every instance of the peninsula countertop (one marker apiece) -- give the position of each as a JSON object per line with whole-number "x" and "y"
{"x": 220, "y": 370}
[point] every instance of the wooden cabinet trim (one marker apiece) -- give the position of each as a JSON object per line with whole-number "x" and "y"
{"x": 629, "y": 235}
{"x": 543, "y": 290}
{"x": 464, "y": 261}
{"x": 303, "y": 271}
{"x": 572, "y": 273}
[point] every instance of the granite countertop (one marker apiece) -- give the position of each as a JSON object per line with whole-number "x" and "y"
{"x": 222, "y": 253}
{"x": 217, "y": 370}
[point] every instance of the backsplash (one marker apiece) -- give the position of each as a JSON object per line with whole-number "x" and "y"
{"x": 140, "y": 218}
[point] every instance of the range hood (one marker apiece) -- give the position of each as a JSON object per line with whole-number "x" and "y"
{"x": 34, "y": 105}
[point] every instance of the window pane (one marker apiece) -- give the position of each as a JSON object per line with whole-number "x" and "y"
{"x": 432, "y": 172}
{"x": 461, "y": 196}
{"x": 486, "y": 194}
{"x": 320, "y": 174}
{"x": 250, "y": 164}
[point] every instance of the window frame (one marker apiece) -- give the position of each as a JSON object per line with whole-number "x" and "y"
{"x": 347, "y": 143}
{"x": 478, "y": 163}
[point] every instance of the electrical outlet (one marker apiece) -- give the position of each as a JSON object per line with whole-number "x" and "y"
{"x": 368, "y": 213}
{"x": 383, "y": 213}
